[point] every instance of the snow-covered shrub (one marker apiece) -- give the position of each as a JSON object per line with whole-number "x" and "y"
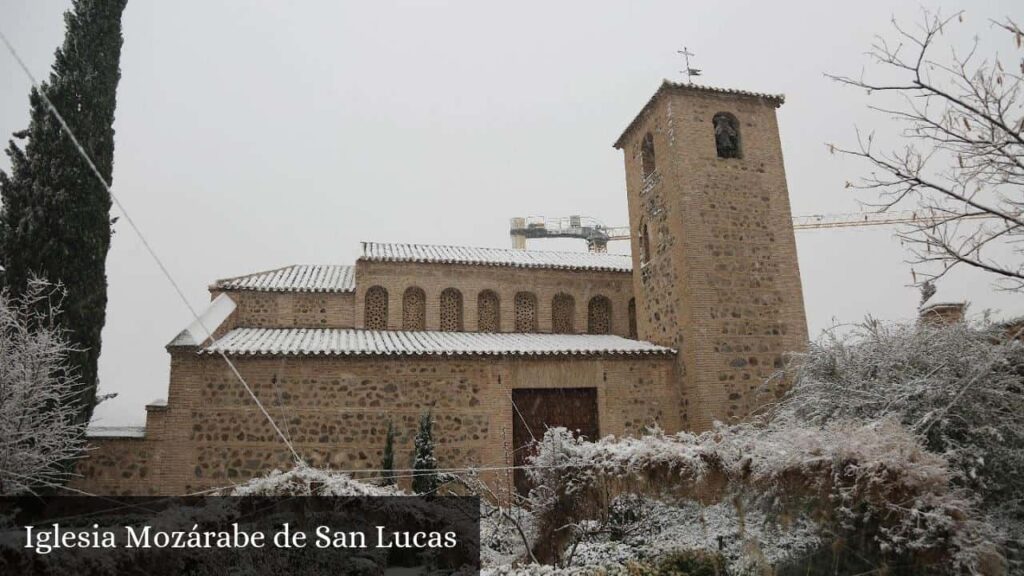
{"x": 959, "y": 387}
{"x": 897, "y": 447}
{"x": 309, "y": 481}
{"x": 872, "y": 484}
{"x": 39, "y": 434}
{"x": 505, "y": 531}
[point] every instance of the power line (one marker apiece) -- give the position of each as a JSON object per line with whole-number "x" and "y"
{"x": 81, "y": 151}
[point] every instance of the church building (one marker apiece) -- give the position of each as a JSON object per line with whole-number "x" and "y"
{"x": 497, "y": 344}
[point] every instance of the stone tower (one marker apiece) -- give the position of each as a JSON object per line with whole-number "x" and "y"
{"x": 714, "y": 255}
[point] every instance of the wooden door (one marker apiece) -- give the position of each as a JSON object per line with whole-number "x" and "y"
{"x": 543, "y": 408}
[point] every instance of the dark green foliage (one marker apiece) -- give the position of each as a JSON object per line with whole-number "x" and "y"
{"x": 425, "y": 479}
{"x": 388, "y": 462}
{"x": 683, "y": 563}
{"x": 55, "y": 220}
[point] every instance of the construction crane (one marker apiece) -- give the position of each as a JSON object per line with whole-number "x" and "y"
{"x": 597, "y": 235}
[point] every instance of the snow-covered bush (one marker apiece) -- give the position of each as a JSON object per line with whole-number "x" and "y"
{"x": 309, "y": 481}
{"x": 960, "y": 387}
{"x": 872, "y": 485}
{"x": 895, "y": 445}
{"x": 39, "y": 434}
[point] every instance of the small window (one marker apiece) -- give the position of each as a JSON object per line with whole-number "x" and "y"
{"x": 647, "y": 155}
{"x": 599, "y": 315}
{"x": 526, "y": 312}
{"x": 488, "y": 309}
{"x": 727, "y": 135}
{"x": 376, "y": 309}
{"x": 451, "y": 310}
{"x": 563, "y": 313}
{"x": 632, "y": 318}
{"x": 644, "y": 238}
{"x": 414, "y": 309}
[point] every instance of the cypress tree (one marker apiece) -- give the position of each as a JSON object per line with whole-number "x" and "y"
{"x": 388, "y": 462}
{"x": 424, "y": 475}
{"x": 55, "y": 219}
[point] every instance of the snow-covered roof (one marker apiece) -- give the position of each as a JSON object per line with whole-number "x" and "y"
{"x": 201, "y": 328}
{"x": 942, "y": 306}
{"x": 115, "y": 432}
{"x": 158, "y": 404}
{"x": 774, "y": 99}
{"x": 382, "y": 252}
{"x": 353, "y": 342}
{"x": 295, "y": 278}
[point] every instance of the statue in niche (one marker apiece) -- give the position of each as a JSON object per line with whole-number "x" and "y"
{"x": 727, "y": 135}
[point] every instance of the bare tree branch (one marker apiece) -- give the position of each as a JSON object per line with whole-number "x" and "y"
{"x": 961, "y": 118}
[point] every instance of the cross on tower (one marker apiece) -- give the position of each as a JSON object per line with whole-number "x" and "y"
{"x": 690, "y": 72}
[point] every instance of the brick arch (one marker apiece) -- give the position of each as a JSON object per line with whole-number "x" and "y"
{"x": 599, "y": 315}
{"x": 488, "y": 309}
{"x": 526, "y": 312}
{"x": 563, "y": 314}
{"x": 414, "y": 309}
{"x": 451, "y": 310}
{"x": 375, "y": 313}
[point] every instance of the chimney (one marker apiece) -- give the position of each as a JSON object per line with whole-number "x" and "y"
{"x": 943, "y": 314}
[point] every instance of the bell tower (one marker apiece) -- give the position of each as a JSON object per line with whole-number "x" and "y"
{"x": 715, "y": 272}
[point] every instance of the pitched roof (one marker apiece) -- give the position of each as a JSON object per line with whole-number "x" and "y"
{"x": 774, "y": 99}
{"x": 382, "y": 252}
{"x": 352, "y": 342}
{"x": 295, "y": 278}
{"x": 200, "y": 329}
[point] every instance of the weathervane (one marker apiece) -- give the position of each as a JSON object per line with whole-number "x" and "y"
{"x": 690, "y": 72}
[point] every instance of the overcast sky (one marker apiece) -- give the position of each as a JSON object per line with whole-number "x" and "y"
{"x": 252, "y": 135}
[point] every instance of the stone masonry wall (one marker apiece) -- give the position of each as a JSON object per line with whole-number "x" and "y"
{"x": 120, "y": 467}
{"x": 433, "y": 279}
{"x": 335, "y": 410}
{"x": 723, "y": 282}
{"x": 259, "y": 309}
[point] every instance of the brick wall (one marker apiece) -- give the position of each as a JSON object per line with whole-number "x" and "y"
{"x": 258, "y": 309}
{"x": 335, "y": 410}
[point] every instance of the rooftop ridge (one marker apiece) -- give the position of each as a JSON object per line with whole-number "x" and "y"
{"x": 419, "y": 244}
{"x": 487, "y": 256}
{"x": 666, "y": 84}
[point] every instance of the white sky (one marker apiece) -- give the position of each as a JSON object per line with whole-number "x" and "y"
{"x": 252, "y": 135}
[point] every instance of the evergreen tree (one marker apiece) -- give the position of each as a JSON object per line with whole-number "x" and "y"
{"x": 388, "y": 462}
{"x": 55, "y": 219}
{"x": 424, "y": 475}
